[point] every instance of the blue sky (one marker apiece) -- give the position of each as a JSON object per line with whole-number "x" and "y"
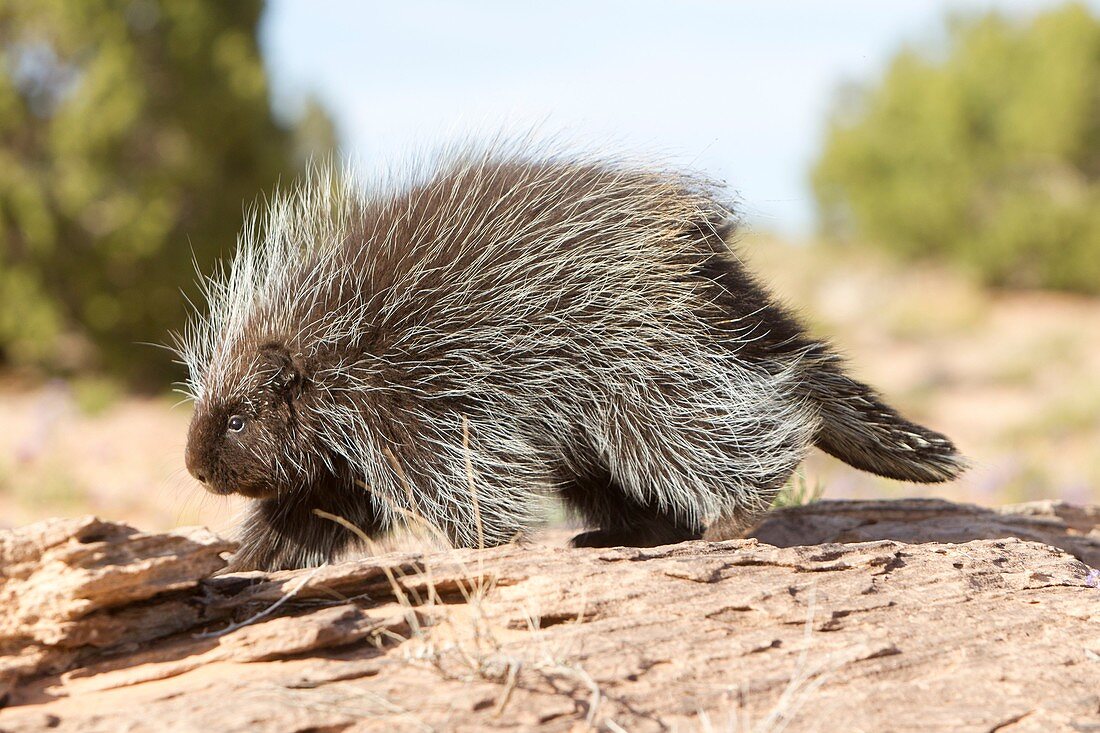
{"x": 739, "y": 89}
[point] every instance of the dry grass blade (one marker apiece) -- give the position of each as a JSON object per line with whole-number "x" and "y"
{"x": 470, "y": 482}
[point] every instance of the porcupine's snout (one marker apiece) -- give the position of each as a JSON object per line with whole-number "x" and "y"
{"x": 215, "y": 461}
{"x": 195, "y": 470}
{"x": 203, "y": 475}
{"x": 200, "y": 460}
{"x": 196, "y": 462}
{"x": 222, "y": 452}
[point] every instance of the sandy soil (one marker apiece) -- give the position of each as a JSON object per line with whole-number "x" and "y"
{"x": 1011, "y": 377}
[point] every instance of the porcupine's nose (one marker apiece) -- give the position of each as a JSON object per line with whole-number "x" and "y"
{"x": 195, "y": 471}
{"x": 193, "y": 465}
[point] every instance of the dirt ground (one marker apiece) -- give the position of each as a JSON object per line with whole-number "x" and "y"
{"x": 1011, "y": 377}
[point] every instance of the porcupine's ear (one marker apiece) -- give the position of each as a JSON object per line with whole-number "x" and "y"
{"x": 286, "y": 378}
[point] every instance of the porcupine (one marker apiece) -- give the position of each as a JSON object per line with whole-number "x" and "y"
{"x": 502, "y": 327}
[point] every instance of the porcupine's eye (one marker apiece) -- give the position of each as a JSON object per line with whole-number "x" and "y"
{"x": 236, "y": 423}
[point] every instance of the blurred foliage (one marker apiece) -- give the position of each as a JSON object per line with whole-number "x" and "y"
{"x": 131, "y": 133}
{"x": 798, "y": 492}
{"x": 984, "y": 152}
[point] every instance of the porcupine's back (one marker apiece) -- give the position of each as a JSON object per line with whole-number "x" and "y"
{"x": 553, "y": 303}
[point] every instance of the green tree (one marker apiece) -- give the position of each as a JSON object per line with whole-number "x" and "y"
{"x": 131, "y": 135}
{"x": 983, "y": 151}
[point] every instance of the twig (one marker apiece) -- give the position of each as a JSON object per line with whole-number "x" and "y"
{"x": 262, "y": 614}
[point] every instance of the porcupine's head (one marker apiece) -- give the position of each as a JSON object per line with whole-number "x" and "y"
{"x": 260, "y": 359}
{"x": 247, "y": 436}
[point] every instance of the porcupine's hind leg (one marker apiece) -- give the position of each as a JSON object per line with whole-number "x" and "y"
{"x": 618, "y": 519}
{"x": 667, "y": 457}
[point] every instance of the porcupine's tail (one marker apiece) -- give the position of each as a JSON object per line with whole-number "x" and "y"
{"x": 863, "y": 431}
{"x": 856, "y": 425}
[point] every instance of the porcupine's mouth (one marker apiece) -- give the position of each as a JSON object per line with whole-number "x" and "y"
{"x": 250, "y": 491}
{"x": 254, "y": 491}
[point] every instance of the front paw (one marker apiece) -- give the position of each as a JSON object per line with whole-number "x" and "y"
{"x": 595, "y": 538}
